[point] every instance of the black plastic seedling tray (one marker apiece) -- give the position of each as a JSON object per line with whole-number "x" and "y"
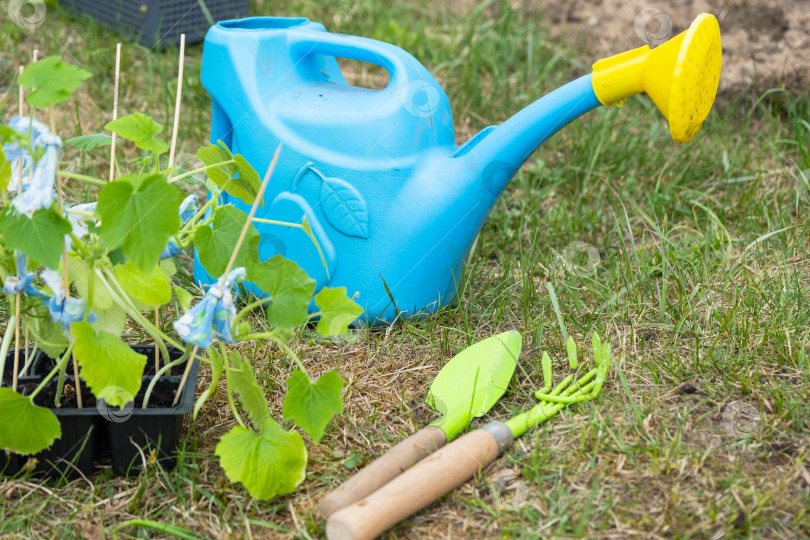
{"x": 159, "y": 22}
{"x": 153, "y": 433}
{"x": 8, "y": 369}
{"x": 131, "y": 434}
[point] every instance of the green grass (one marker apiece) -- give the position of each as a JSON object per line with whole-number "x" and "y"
{"x": 700, "y": 286}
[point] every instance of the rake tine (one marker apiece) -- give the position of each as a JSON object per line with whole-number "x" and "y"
{"x": 546, "y": 363}
{"x": 571, "y": 347}
{"x": 578, "y": 391}
{"x": 581, "y": 394}
{"x": 562, "y": 386}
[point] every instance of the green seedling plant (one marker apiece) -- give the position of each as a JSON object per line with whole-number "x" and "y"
{"x": 86, "y": 272}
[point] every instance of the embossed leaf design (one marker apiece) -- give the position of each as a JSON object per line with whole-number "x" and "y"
{"x": 344, "y": 207}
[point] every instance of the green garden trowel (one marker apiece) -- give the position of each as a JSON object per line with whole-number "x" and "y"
{"x": 465, "y": 388}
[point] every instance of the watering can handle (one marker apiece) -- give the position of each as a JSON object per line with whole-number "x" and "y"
{"x": 401, "y": 66}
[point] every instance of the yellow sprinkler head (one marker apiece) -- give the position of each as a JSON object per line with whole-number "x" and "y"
{"x": 680, "y": 75}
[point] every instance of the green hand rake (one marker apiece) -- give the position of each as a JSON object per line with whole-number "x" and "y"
{"x": 450, "y": 467}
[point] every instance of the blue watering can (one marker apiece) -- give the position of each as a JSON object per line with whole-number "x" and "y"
{"x": 394, "y": 205}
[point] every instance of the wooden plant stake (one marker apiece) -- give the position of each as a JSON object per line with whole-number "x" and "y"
{"x": 157, "y": 348}
{"x": 18, "y": 299}
{"x": 66, "y": 285}
{"x": 115, "y": 108}
{"x": 232, "y": 260}
{"x": 177, "y": 99}
{"x": 177, "y": 102}
{"x": 27, "y": 342}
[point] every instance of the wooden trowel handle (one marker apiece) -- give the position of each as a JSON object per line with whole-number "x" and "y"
{"x": 383, "y": 469}
{"x": 419, "y": 486}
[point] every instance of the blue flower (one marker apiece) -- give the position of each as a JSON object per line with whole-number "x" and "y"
{"x": 40, "y": 191}
{"x": 188, "y": 209}
{"x": 171, "y": 250}
{"x": 79, "y": 229}
{"x": 214, "y": 314}
{"x": 64, "y": 311}
{"x": 20, "y": 282}
{"x": 37, "y": 179}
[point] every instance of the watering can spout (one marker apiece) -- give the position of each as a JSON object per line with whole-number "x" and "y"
{"x": 680, "y": 75}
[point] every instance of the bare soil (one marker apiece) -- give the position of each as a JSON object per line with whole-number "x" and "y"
{"x": 766, "y": 43}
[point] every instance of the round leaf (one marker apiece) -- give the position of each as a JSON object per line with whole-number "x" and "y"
{"x": 82, "y": 274}
{"x": 139, "y": 214}
{"x": 311, "y": 405}
{"x": 26, "y": 428}
{"x": 268, "y": 464}
{"x": 108, "y": 364}
{"x": 337, "y": 311}
{"x": 289, "y": 287}
{"x": 151, "y": 288}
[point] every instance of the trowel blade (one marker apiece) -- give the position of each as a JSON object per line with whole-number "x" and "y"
{"x": 473, "y": 381}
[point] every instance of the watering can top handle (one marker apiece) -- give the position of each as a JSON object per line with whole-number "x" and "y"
{"x": 401, "y": 66}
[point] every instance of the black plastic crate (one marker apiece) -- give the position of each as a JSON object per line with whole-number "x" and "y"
{"x": 159, "y": 22}
{"x": 8, "y": 369}
{"x": 152, "y": 432}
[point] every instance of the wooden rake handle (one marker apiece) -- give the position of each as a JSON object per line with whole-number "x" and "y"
{"x": 382, "y": 470}
{"x": 418, "y": 487}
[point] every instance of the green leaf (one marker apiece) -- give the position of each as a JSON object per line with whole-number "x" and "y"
{"x": 151, "y": 288}
{"x": 48, "y": 335}
{"x": 245, "y": 186}
{"x": 112, "y": 320}
{"x": 248, "y": 179}
{"x": 337, "y": 311}
{"x": 217, "y": 367}
{"x": 52, "y": 81}
{"x": 141, "y": 130}
{"x": 108, "y": 364}
{"x": 290, "y": 288}
{"x": 311, "y": 405}
{"x": 139, "y": 214}
{"x": 251, "y": 396}
{"x": 26, "y": 428}
{"x": 168, "y": 267}
{"x": 215, "y": 244}
{"x": 213, "y": 154}
{"x": 268, "y": 464}
{"x": 8, "y": 135}
{"x": 82, "y": 275}
{"x": 88, "y": 142}
{"x": 184, "y": 297}
{"x": 5, "y": 171}
{"x": 40, "y": 237}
